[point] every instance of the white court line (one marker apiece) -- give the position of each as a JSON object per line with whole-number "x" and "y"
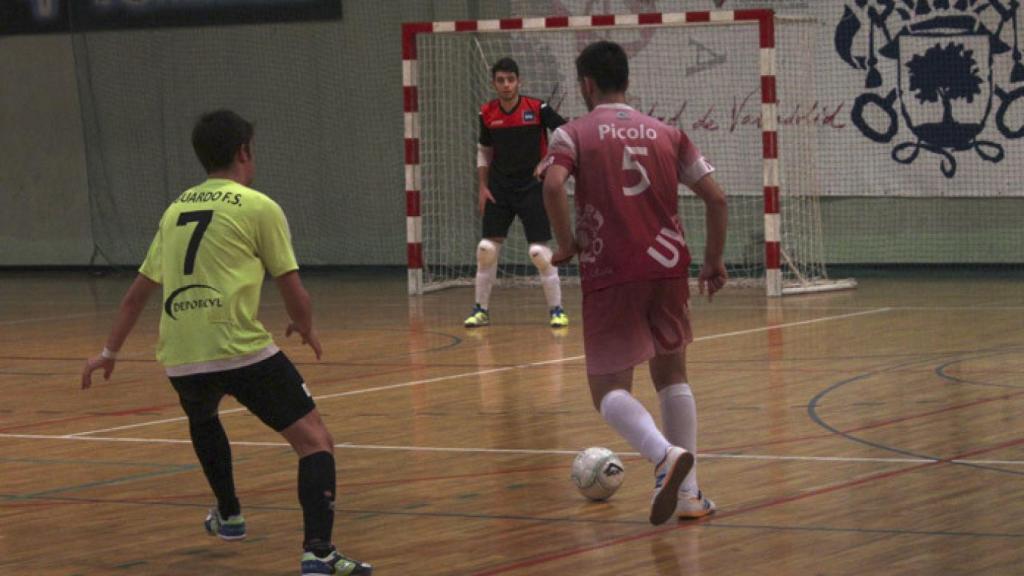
{"x": 973, "y": 308}
{"x": 494, "y": 370}
{"x": 791, "y": 324}
{"x": 523, "y": 451}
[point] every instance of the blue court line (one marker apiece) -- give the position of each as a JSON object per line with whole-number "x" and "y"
{"x": 170, "y": 471}
{"x": 815, "y": 402}
{"x": 164, "y": 470}
{"x": 47, "y": 461}
{"x": 705, "y": 524}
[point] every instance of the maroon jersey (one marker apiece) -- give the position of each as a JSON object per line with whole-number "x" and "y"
{"x": 628, "y": 167}
{"x": 519, "y": 139}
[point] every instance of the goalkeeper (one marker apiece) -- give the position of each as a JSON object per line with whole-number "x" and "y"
{"x": 513, "y": 140}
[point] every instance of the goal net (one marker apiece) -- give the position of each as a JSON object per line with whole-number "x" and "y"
{"x": 703, "y": 72}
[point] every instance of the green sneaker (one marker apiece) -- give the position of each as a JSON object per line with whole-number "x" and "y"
{"x": 231, "y": 529}
{"x": 558, "y": 317}
{"x": 478, "y": 318}
{"x": 333, "y": 564}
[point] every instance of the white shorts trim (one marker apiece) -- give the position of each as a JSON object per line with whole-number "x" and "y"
{"x": 222, "y": 364}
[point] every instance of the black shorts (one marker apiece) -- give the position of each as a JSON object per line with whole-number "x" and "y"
{"x": 528, "y": 204}
{"x": 272, "y": 389}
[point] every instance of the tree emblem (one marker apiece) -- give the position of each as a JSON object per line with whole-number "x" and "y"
{"x": 947, "y": 73}
{"x": 947, "y": 52}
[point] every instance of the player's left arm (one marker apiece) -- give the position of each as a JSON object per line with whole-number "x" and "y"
{"x": 274, "y": 241}
{"x": 550, "y": 120}
{"x": 556, "y": 203}
{"x": 132, "y": 305}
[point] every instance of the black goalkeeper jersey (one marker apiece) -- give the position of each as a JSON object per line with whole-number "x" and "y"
{"x": 519, "y": 139}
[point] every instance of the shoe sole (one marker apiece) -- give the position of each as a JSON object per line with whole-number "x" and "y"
{"x": 368, "y": 572}
{"x": 223, "y": 537}
{"x": 697, "y": 516}
{"x": 664, "y": 505}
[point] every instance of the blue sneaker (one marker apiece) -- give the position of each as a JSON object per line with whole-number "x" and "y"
{"x": 334, "y": 564}
{"x": 233, "y": 528}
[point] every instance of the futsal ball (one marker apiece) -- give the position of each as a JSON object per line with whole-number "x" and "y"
{"x": 597, "y": 473}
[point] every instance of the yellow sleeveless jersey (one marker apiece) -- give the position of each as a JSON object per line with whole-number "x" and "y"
{"x": 213, "y": 248}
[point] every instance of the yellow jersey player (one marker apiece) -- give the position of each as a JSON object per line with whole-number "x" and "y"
{"x": 214, "y": 246}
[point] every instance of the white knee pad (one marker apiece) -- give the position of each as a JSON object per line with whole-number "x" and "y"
{"x": 487, "y": 253}
{"x": 541, "y": 256}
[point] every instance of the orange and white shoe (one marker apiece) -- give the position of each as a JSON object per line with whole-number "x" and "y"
{"x": 691, "y": 507}
{"x": 668, "y": 476}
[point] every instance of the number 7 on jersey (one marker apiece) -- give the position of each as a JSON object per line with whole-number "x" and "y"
{"x": 202, "y": 219}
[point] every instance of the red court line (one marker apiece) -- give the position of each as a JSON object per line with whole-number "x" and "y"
{"x": 152, "y": 410}
{"x": 544, "y": 559}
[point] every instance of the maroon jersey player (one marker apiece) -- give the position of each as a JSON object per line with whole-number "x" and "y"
{"x": 634, "y": 263}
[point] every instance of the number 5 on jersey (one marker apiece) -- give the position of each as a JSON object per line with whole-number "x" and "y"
{"x": 631, "y": 164}
{"x": 202, "y": 219}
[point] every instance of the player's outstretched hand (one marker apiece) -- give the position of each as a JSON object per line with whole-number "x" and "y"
{"x": 712, "y": 278}
{"x": 485, "y": 197}
{"x": 564, "y": 255}
{"x": 309, "y": 337}
{"x": 93, "y": 364}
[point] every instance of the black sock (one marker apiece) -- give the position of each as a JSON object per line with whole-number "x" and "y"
{"x": 316, "y": 495}
{"x": 214, "y": 452}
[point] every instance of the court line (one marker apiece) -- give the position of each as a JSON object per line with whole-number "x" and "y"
{"x": 514, "y": 451}
{"x": 519, "y": 517}
{"x": 538, "y": 560}
{"x": 49, "y": 318}
{"x": 498, "y": 370}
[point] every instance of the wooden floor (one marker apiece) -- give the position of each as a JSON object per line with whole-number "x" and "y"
{"x": 877, "y": 431}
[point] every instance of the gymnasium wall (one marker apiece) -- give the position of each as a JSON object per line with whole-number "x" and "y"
{"x": 94, "y": 138}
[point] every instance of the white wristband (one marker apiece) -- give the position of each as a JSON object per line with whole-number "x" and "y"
{"x": 108, "y": 354}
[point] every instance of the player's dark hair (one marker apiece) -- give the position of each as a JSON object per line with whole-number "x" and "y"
{"x": 606, "y": 64}
{"x": 505, "y": 65}
{"x": 217, "y": 137}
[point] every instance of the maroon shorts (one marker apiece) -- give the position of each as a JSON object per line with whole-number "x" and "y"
{"x": 627, "y": 324}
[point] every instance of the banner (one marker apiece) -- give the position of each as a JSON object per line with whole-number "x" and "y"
{"x": 909, "y": 99}
{"x": 48, "y": 16}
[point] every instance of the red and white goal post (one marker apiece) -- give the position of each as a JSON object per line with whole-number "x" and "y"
{"x": 713, "y": 73}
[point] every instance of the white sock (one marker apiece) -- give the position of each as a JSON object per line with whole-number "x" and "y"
{"x": 679, "y": 419}
{"x": 485, "y": 278}
{"x": 486, "y": 272}
{"x": 634, "y": 423}
{"x": 541, "y": 256}
{"x": 552, "y": 287}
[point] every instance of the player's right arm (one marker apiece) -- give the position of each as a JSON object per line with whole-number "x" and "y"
{"x": 697, "y": 174}
{"x": 484, "y": 155}
{"x": 134, "y": 302}
{"x": 716, "y": 215}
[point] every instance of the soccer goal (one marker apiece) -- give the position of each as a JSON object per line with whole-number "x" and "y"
{"x": 718, "y": 75}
